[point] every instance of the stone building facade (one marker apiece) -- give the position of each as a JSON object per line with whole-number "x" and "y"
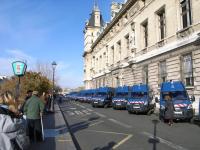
{"x": 147, "y": 41}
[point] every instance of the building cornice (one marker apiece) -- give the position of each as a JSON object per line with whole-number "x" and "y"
{"x": 123, "y": 10}
{"x": 167, "y": 48}
{"x": 84, "y": 54}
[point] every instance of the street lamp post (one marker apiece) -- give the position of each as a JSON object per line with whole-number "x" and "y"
{"x": 54, "y": 68}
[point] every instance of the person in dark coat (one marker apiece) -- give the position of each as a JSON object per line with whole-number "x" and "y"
{"x": 49, "y": 102}
{"x": 169, "y": 109}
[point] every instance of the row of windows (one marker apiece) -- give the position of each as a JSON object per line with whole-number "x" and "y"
{"x": 129, "y": 39}
{"x": 186, "y": 71}
{"x": 185, "y": 17}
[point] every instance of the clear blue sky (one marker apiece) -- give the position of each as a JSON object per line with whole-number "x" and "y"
{"x": 46, "y": 30}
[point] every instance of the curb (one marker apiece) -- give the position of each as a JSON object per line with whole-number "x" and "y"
{"x": 77, "y": 146}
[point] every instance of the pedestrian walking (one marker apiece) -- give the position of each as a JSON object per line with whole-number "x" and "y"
{"x": 49, "y": 102}
{"x": 169, "y": 109}
{"x": 60, "y": 98}
{"x": 33, "y": 110}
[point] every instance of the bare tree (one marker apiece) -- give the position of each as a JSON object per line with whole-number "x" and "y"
{"x": 45, "y": 69}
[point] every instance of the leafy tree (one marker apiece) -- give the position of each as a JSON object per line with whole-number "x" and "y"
{"x": 31, "y": 81}
{"x": 57, "y": 89}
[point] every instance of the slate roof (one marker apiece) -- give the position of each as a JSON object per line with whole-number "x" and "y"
{"x": 92, "y": 20}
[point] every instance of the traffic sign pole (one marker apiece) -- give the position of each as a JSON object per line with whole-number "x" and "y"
{"x": 19, "y": 69}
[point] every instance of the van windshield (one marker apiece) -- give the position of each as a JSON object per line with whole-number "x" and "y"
{"x": 102, "y": 94}
{"x": 179, "y": 95}
{"x": 121, "y": 94}
{"x": 139, "y": 94}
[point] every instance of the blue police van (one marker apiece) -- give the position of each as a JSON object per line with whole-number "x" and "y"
{"x": 103, "y": 97}
{"x": 119, "y": 100}
{"x": 83, "y": 97}
{"x": 140, "y": 99}
{"x": 89, "y": 95}
{"x": 183, "y": 109}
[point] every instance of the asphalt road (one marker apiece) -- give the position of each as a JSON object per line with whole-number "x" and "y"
{"x": 105, "y": 128}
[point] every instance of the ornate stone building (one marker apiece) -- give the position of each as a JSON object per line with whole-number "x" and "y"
{"x": 146, "y": 41}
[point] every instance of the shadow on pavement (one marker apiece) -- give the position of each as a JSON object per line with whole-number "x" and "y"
{"x": 107, "y": 147}
{"x": 79, "y": 126}
{"x": 154, "y": 140}
{"x": 197, "y": 122}
{"x": 82, "y": 125}
{"x": 93, "y": 118}
{"x": 49, "y": 142}
{"x": 64, "y": 106}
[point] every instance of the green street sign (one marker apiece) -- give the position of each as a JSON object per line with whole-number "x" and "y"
{"x": 19, "y": 68}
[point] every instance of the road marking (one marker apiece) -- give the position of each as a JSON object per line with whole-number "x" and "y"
{"x": 86, "y": 112}
{"x": 89, "y": 109}
{"x": 122, "y": 141}
{"x": 120, "y": 123}
{"x": 72, "y": 108}
{"x": 96, "y": 123}
{"x": 101, "y": 115}
{"x": 107, "y": 132}
{"x": 78, "y": 112}
{"x": 80, "y": 106}
{"x": 128, "y": 136}
{"x": 70, "y": 113}
{"x": 170, "y": 144}
{"x": 64, "y": 140}
{"x": 86, "y": 124}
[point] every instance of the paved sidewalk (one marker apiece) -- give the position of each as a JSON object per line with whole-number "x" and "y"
{"x": 57, "y": 136}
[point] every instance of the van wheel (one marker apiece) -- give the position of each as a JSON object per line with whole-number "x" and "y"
{"x": 191, "y": 120}
{"x": 105, "y": 106}
{"x": 130, "y": 112}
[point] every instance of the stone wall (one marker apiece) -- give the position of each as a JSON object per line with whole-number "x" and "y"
{"x": 173, "y": 68}
{"x": 128, "y": 77}
{"x": 153, "y": 76}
